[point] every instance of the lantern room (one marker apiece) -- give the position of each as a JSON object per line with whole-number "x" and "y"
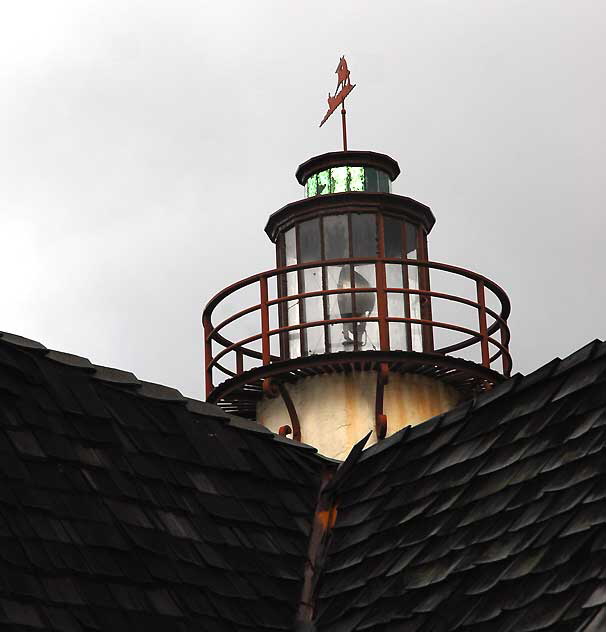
{"x": 345, "y": 234}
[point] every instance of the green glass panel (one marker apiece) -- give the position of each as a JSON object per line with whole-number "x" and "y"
{"x": 356, "y": 178}
{"x": 323, "y": 182}
{"x": 340, "y": 179}
{"x": 338, "y": 175}
{"x": 371, "y": 181}
{"x": 312, "y": 186}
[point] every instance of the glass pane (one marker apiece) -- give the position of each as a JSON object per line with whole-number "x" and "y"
{"x": 369, "y": 336}
{"x": 365, "y": 335}
{"x": 371, "y": 180}
{"x": 364, "y": 235}
{"x": 336, "y": 237}
{"x": 312, "y": 282}
{"x": 292, "y": 287}
{"x": 312, "y": 186}
{"x": 411, "y": 241}
{"x": 356, "y": 178}
{"x": 290, "y": 247}
{"x": 338, "y": 176}
{"x": 393, "y": 237}
{"x": 309, "y": 241}
{"x": 336, "y": 276}
{"x": 292, "y": 308}
{"x": 397, "y": 337}
{"x": 396, "y": 306}
{"x": 364, "y": 275}
{"x": 315, "y": 340}
{"x": 323, "y": 184}
{"x": 312, "y": 311}
{"x": 384, "y": 182}
{"x": 415, "y": 307}
{"x": 393, "y": 274}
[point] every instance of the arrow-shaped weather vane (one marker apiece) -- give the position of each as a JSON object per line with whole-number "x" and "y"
{"x": 344, "y": 87}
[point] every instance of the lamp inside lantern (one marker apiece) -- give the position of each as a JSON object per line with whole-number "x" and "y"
{"x": 354, "y": 305}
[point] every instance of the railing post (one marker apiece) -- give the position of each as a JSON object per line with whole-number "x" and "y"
{"x": 482, "y": 323}
{"x": 239, "y": 361}
{"x": 265, "y": 350}
{"x": 208, "y": 356}
{"x": 506, "y": 358}
{"x": 425, "y": 299}
{"x": 382, "y": 305}
{"x": 381, "y": 283}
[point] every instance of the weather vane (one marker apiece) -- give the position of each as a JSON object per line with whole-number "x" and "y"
{"x": 344, "y": 87}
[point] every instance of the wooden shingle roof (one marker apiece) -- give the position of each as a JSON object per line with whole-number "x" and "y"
{"x": 125, "y": 506}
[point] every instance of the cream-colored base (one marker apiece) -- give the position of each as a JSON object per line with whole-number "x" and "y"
{"x": 337, "y": 410}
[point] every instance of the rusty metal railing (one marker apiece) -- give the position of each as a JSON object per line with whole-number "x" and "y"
{"x": 490, "y": 349}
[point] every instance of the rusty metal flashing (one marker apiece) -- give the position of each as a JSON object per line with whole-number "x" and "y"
{"x": 349, "y": 202}
{"x": 325, "y": 517}
{"x": 347, "y": 159}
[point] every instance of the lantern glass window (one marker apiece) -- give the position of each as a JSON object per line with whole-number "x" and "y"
{"x": 345, "y": 236}
{"x": 309, "y": 241}
{"x": 364, "y": 235}
{"x": 401, "y": 242}
{"x": 393, "y": 237}
{"x": 336, "y": 237}
{"x": 292, "y": 287}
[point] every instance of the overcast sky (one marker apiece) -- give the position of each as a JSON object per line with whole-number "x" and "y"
{"x": 144, "y": 144}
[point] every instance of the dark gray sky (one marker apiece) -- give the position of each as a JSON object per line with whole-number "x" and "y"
{"x": 145, "y": 143}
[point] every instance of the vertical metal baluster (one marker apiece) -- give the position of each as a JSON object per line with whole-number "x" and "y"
{"x": 264, "y": 321}
{"x": 482, "y": 322}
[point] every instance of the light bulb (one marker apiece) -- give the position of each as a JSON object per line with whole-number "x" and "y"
{"x": 364, "y": 304}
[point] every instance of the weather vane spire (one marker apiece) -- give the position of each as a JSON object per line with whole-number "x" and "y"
{"x": 344, "y": 87}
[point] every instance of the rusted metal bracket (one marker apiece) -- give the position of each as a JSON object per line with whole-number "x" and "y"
{"x": 275, "y": 389}
{"x": 380, "y": 416}
{"x": 292, "y": 411}
{"x": 270, "y": 389}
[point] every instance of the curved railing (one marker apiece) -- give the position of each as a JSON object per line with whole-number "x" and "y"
{"x": 259, "y": 332}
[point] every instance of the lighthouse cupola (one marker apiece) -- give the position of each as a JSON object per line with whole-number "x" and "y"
{"x": 356, "y": 329}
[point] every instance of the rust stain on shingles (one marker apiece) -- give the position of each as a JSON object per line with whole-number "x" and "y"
{"x": 327, "y": 517}
{"x": 324, "y": 520}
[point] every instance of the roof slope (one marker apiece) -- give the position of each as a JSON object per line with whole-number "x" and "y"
{"x": 490, "y": 517}
{"x": 124, "y": 505}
